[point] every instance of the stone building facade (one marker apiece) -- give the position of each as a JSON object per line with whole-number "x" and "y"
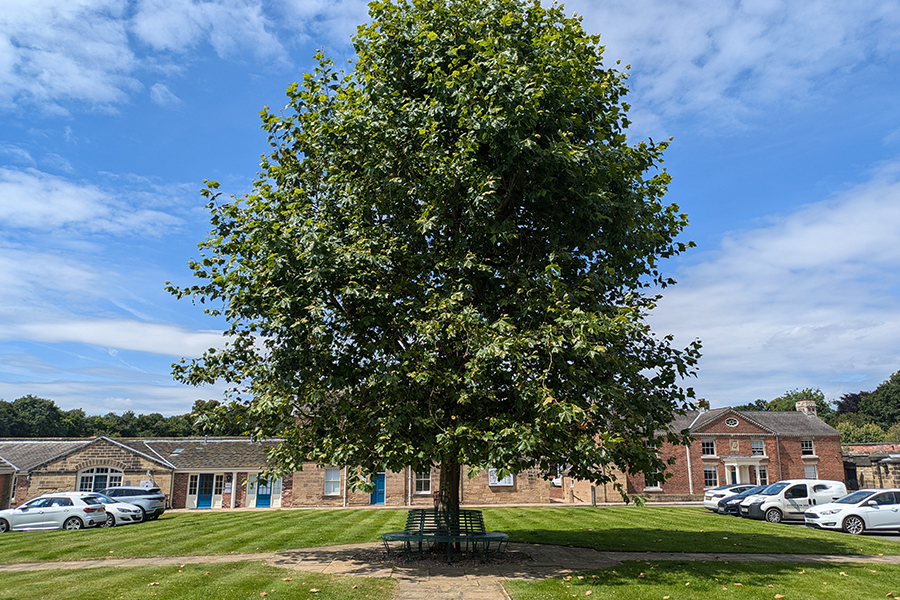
{"x": 872, "y": 465}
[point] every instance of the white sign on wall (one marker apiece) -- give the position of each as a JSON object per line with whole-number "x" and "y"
{"x": 493, "y": 480}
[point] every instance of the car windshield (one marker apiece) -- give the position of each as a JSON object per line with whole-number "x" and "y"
{"x": 105, "y": 499}
{"x": 37, "y": 503}
{"x": 855, "y": 497}
{"x": 773, "y": 489}
{"x": 752, "y": 491}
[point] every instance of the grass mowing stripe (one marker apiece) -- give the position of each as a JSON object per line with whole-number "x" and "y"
{"x": 664, "y": 529}
{"x": 234, "y": 581}
{"x": 681, "y": 580}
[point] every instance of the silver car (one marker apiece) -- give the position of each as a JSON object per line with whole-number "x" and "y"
{"x": 118, "y": 513}
{"x": 55, "y": 511}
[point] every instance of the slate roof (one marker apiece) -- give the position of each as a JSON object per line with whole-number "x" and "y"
{"x": 25, "y": 455}
{"x": 6, "y": 466}
{"x": 212, "y": 453}
{"x": 786, "y": 423}
{"x": 196, "y": 453}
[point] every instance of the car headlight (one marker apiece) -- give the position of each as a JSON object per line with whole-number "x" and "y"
{"x": 832, "y": 511}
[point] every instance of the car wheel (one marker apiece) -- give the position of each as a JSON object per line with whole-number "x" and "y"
{"x": 110, "y": 520}
{"x": 4, "y": 526}
{"x": 773, "y": 515}
{"x": 854, "y": 525}
{"x": 143, "y": 513}
{"x": 73, "y": 523}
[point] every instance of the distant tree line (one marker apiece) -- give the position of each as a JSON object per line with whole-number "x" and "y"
{"x": 33, "y": 417}
{"x": 861, "y": 417}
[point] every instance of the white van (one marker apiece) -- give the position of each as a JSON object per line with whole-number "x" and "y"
{"x": 789, "y": 499}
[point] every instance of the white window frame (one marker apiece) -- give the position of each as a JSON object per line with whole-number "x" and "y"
{"x": 807, "y": 448}
{"x": 86, "y": 478}
{"x": 762, "y": 475}
{"x": 810, "y": 472}
{"x": 332, "y": 483}
{"x": 422, "y": 482}
{"x": 704, "y": 444}
{"x": 757, "y": 447}
{"x": 193, "y": 484}
{"x": 714, "y": 472}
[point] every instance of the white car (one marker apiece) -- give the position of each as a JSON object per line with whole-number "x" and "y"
{"x": 117, "y": 513}
{"x": 712, "y": 496}
{"x": 872, "y": 509}
{"x": 55, "y": 511}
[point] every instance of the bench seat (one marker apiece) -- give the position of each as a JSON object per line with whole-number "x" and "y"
{"x": 465, "y": 527}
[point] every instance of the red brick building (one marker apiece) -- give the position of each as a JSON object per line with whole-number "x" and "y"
{"x": 745, "y": 447}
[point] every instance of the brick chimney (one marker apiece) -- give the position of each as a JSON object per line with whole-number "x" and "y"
{"x": 807, "y": 407}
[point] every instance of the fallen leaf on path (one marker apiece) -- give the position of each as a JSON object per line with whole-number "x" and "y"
{"x": 288, "y": 579}
{"x": 314, "y": 591}
{"x": 844, "y": 574}
{"x": 779, "y": 595}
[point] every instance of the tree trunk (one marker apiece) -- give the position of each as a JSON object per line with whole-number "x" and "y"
{"x": 448, "y": 493}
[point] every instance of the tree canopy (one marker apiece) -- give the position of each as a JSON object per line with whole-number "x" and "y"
{"x": 449, "y": 255}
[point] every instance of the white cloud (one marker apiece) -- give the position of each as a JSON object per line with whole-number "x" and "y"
{"x": 161, "y": 94}
{"x": 31, "y": 199}
{"x": 723, "y": 60}
{"x": 101, "y": 397}
{"x": 812, "y": 298}
{"x": 56, "y": 51}
{"x": 231, "y": 27}
{"x": 120, "y": 334}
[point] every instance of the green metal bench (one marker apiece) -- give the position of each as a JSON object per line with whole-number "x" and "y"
{"x": 430, "y": 526}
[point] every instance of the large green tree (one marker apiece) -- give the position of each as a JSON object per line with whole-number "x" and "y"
{"x": 882, "y": 406}
{"x": 449, "y": 255}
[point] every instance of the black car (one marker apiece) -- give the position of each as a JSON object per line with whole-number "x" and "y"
{"x": 731, "y": 505}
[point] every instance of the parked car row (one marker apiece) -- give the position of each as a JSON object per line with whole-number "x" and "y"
{"x": 79, "y": 510}
{"x": 819, "y": 503}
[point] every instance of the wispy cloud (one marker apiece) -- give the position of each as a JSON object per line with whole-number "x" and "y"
{"x": 721, "y": 61}
{"x": 121, "y": 334}
{"x": 32, "y": 199}
{"x": 231, "y": 27}
{"x": 161, "y": 94}
{"x": 812, "y": 298}
{"x": 57, "y": 51}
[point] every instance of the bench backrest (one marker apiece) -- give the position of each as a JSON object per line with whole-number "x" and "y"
{"x": 430, "y": 521}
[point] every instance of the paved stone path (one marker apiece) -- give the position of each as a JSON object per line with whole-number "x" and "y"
{"x": 468, "y": 580}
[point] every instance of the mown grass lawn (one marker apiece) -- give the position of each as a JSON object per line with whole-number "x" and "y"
{"x": 232, "y": 581}
{"x": 662, "y": 580}
{"x": 651, "y": 528}
{"x": 673, "y": 529}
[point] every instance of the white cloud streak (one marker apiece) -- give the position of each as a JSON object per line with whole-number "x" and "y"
{"x": 31, "y": 199}
{"x": 812, "y": 299}
{"x": 722, "y": 61}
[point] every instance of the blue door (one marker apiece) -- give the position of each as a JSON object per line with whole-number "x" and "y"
{"x": 377, "y": 496}
{"x": 263, "y": 493}
{"x": 204, "y": 491}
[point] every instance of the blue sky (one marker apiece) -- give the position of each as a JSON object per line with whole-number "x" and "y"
{"x": 786, "y": 119}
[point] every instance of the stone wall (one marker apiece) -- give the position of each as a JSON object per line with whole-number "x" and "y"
{"x": 61, "y": 475}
